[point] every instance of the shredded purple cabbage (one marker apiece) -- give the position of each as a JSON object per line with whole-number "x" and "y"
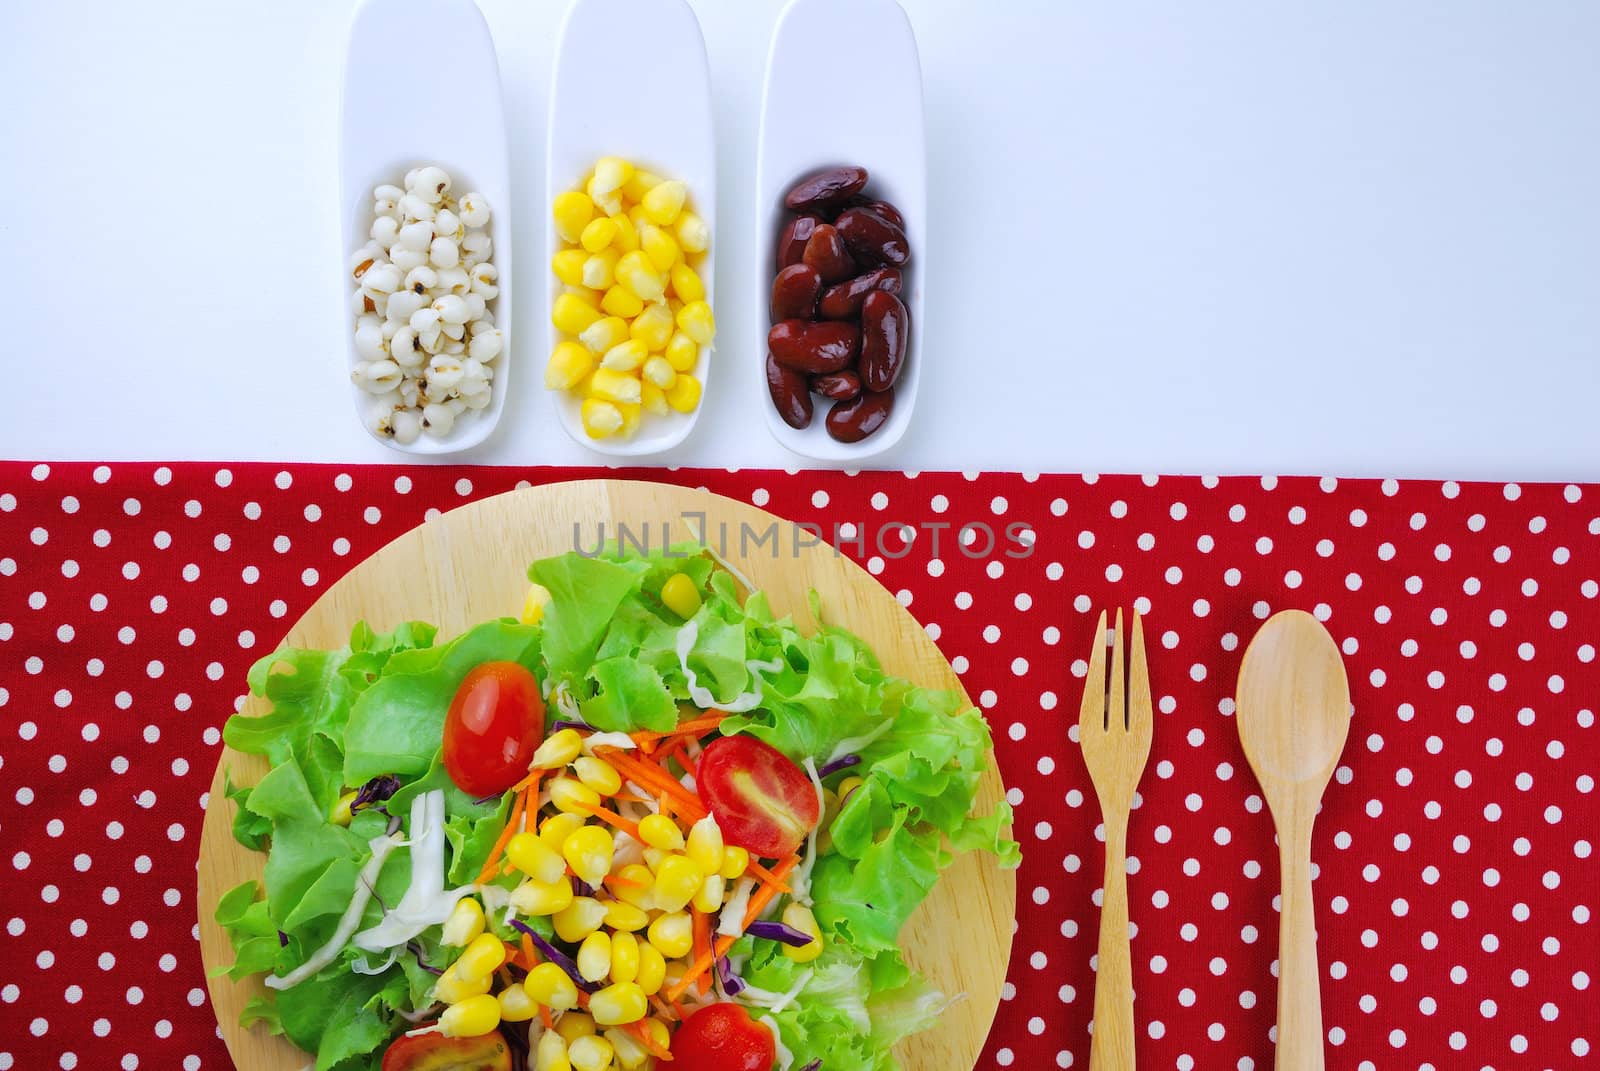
{"x": 843, "y": 762}
{"x": 581, "y": 887}
{"x": 481, "y": 800}
{"x": 375, "y": 792}
{"x": 814, "y": 1065}
{"x": 732, "y": 984}
{"x": 416, "y": 949}
{"x": 777, "y": 931}
{"x": 565, "y": 723}
{"x": 558, "y": 957}
{"x": 283, "y": 939}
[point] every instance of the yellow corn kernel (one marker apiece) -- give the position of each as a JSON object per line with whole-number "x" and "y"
{"x": 575, "y": 1025}
{"x": 555, "y": 830}
{"x": 598, "y": 234}
{"x": 664, "y": 201}
{"x": 708, "y": 898}
{"x": 464, "y": 923}
{"x": 652, "y": 400}
{"x": 600, "y": 419}
{"x": 847, "y": 786}
{"x": 624, "y": 917}
{"x": 683, "y": 352}
{"x": 594, "y": 956}
{"x": 581, "y": 918}
{"x": 675, "y": 970}
{"x": 472, "y": 1018}
{"x": 635, "y": 272}
{"x": 652, "y": 859}
{"x": 573, "y": 210}
{"x": 481, "y": 957}
{"x": 634, "y": 884}
{"x": 552, "y": 1052}
{"x": 600, "y": 270}
{"x": 652, "y": 969}
{"x": 572, "y": 314}
{"x": 735, "y": 860}
{"x": 605, "y": 333}
{"x": 672, "y": 934}
{"x": 640, "y": 221}
{"x": 799, "y": 917}
{"x": 620, "y": 301}
{"x": 568, "y": 266}
{"x": 558, "y": 749}
{"x": 568, "y": 365}
{"x": 573, "y": 796}
{"x": 629, "y": 1053}
{"x": 341, "y": 813}
{"x": 680, "y": 596}
{"x": 622, "y": 1002}
{"x": 598, "y": 774}
{"x": 641, "y": 183}
{"x": 549, "y": 985}
{"x": 658, "y": 830}
{"x": 543, "y": 897}
{"x": 611, "y": 174}
{"x": 625, "y": 356}
{"x": 534, "y": 606}
{"x": 685, "y": 394}
{"x": 627, "y": 239}
{"x": 591, "y": 1052}
{"x": 686, "y": 283}
{"x": 453, "y": 989}
{"x": 589, "y": 297}
{"x": 697, "y": 322}
{"x": 652, "y": 327}
{"x": 677, "y": 880}
{"x": 588, "y": 852}
{"x": 630, "y": 418}
{"x": 659, "y": 246}
{"x": 515, "y": 1005}
{"x": 705, "y": 844}
{"x": 694, "y": 236}
{"x": 611, "y": 385}
{"x": 535, "y": 858}
{"x": 660, "y": 1036}
{"x": 624, "y": 957}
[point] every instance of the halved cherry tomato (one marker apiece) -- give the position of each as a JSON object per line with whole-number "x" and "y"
{"x": 761, "y": 799}
{"x": 495, "y": 722}
{"x": 722, "y": 1037}
{"x": 435, "y": 1052}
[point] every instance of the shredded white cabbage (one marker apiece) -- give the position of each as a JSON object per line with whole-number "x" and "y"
{"x": 567, "y": 705}
{"x": 733, "y": 570}
{"x": 852, "y": 745}
{"x": 785, "y": 1057}
{"x": 800, "y": 877}
{"x": 621, "y": 741}
{"x": 426, "y": 903}
{"x": 731, "y": 922}
{"x": 774, "y": 1002}
{"x": 381, "y": 847}
{"x": 362, "y": 965}
{"x": 687, "y": 634}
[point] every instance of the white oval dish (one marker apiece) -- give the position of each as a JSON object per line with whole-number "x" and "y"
{"x": 632, "y": 81}
{"x": 878, "y": 125}
{"x": 458, "y": 125}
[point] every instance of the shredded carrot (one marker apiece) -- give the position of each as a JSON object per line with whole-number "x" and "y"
{"x": 529, "y": 781}
{"x": 513, "y": 823}
{"x": 758, "y": 903}
{"x": 626, "y": 883}
{"x": 694, "y": 727}
{"x": 611, "y": 818}
{"x": 680, "y": 751}
{"x": 702, "y": 946}
{"x": 663, "y": 1008}
{"x": 530, "y": 958}
{"x": 765, "y": 876}
{"x": 645, "y": 1038}
{"x": 651, "y": 777}
{"x": 546, "y": 1018}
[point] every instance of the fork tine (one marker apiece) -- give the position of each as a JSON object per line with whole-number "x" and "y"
{"x": 1117, "y": 708}
{"x": 1139, "y": 713}
{"x": 1092, "y": 714}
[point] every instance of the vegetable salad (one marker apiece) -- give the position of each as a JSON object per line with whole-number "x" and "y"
{"x": 647, "y": 821}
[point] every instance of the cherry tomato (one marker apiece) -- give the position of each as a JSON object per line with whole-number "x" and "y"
{"x": 722, "y": 1037}
{"x": 761, "y": 799}
{"x": 435, "y": 1052}
{"x": 495, "y": 722}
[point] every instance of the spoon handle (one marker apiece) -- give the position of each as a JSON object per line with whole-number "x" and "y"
{"x": 1111, "y": 1048}
{"x": 1299, "y": 993}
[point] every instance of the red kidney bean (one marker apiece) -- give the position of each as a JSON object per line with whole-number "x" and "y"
{"x": 790, "y": 393}
{"x": 843, "y": 301}
{"x": 794, "y": 293}
{"x": 826, "y": 188}
{"x": 814, "y": 348}
{"x": 850, "y": 422}
{"x": 826, "y": 253}
{"x": 839, "y": 386}
{"x": 872, "y": 238}
{"x": 885, "y": 332}
{"x": 887, "y": 211}
{"x": 792, "y": 242}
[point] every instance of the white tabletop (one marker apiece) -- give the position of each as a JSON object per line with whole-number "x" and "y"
{"x": 1359, "y": 239}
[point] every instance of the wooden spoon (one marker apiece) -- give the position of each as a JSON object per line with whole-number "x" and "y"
{"x": 1293, "y": 708}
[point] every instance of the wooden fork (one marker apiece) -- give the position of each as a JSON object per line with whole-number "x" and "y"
{"x": 1115, "y": 736}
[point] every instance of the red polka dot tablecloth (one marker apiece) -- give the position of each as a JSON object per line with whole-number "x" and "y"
{"x": 1456, "y": 874}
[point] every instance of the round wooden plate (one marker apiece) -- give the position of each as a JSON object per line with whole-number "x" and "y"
{"x": 469, "y": 565}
